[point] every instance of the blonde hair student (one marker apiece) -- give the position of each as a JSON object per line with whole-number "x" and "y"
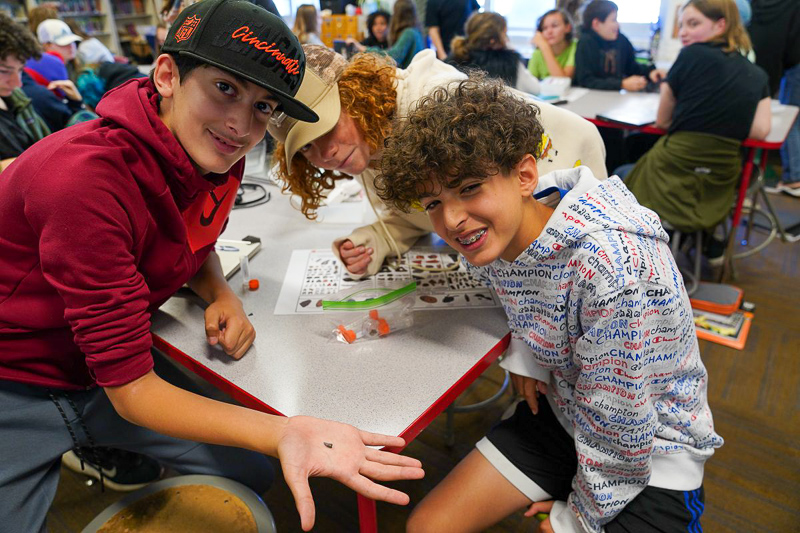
{"x": 712, "y": 100}
{"x": 306, "y": 25}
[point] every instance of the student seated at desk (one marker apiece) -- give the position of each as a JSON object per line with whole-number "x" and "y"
{"x": 612, "y": 437}
{"x": 713, "y": 99}
{"x": 102, "y": 223}
{"x": 405, "y": 37}
{"x": 485, "y": 47}
{"x": 306, "y": 24}
{"x": 605, "y": 58}
{"x": 356, "y": 102}
{"x": 378, "y": 30}
{"x": 555, "y": 46}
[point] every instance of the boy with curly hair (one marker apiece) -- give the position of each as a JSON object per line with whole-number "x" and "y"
{"x": 600, "y": 320}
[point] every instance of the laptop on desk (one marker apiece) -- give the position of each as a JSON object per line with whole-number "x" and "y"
{"x": 631, "y": 113}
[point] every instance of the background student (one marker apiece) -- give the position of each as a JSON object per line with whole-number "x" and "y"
{"x": 612, "y": 436}
{"x": 605, "y": 58}
{"x": 405, "y": 37}
{"x": 356, "y": 102}
{"x": 555, "y": 46}
{"x": 712, "y": 100}
{"x": 20, "y": 125}
{"x": 485, "y": 47}
{"x": 378, "y": 29}
{"x": 103, "y": 222}
{"x": 306, "y": 25}
{"x": 56, "y": 37}
{"x": 445, "y": 19}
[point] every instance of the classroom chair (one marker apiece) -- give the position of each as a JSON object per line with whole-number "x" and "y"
{"x": 689, "y": 247}
{"x": 453, "y": 409}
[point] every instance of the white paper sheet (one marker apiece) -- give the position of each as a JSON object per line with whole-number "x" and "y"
{"x": 314, "y": 275}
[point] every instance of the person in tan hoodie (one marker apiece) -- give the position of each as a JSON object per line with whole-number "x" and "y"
{"x": 372, "y": 92}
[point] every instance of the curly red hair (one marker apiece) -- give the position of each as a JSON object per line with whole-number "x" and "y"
{"x": 367, "y": 92}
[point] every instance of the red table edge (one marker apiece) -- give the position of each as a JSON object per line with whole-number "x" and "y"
{"x": 241, "y": 396}
{"x": 367, "y": 513}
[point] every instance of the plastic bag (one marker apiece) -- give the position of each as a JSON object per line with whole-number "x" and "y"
{"x": 366, "y": 312}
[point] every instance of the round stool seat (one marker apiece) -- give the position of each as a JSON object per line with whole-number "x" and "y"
{"x": 193, "y": 503}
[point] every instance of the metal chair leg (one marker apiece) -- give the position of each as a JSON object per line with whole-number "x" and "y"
{"x": 452, "y": 409}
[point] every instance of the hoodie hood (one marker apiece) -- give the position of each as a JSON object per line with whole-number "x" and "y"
{"x": 133, "y": 106}
{"x": 424, "y": 74}
{"x": 586, "y": 207}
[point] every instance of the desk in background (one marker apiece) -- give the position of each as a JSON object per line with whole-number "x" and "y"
{"x": 396, "y": 385}
{"x": 783, "y": 116}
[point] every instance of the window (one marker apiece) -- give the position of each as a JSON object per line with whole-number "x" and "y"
{"x": 288, "y": 8}
{"x": 638, "y": 11}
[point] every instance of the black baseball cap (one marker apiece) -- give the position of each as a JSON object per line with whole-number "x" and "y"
{"x": 246, "y": 40}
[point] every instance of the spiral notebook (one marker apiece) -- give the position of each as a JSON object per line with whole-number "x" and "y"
{"x": 229, "y": 253}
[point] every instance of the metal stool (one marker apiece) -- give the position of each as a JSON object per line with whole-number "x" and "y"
{"x": 452, "y": 409}
{"x": 675, "y": 246}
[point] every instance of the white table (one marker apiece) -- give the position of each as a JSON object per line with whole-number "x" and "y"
{"x": 596, "y": 101}
{"x": 396, "y": 385}
{"x": 783, "y": 117}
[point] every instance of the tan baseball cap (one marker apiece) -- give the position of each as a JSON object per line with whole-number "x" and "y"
{"x": 320, "y": 92}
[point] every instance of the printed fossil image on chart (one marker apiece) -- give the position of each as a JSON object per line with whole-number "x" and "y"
{"x": 442, "y": 281}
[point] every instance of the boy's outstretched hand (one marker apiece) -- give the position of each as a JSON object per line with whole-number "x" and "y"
{"x": 322, "y": 448}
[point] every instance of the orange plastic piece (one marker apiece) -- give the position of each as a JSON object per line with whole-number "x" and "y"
{"x": 348, "y": 334}
{"x": 373, "y": 314}
{"x": 383, "y": 327}
{"x": 253, "y": 284}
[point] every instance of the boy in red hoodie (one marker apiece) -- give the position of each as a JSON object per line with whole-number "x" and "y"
{"x": 102, "y": 223}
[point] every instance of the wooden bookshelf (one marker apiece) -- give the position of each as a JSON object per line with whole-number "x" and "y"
{"x": 93, "y": 17}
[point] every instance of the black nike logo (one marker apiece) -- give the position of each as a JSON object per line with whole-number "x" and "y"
{"x": 207, "y": 220}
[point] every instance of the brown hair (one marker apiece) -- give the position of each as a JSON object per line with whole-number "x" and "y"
{"x": 483, "y": 32}
{"x": 735, "y": 36}
{"x": 40, "y": 13}
{"x": 597, "y": 9}
{"x": 564, "y": 16}
{"x": 474, "y": 129}
{"x": 17, "y": 41}
{"x": 368, "y": 94}
{"x": 404, "y": 16}
{"x": 305, "y": 22}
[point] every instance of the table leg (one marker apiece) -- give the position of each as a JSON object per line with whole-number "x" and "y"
{"x": 367, "y": 515}
{"x": 763, "y": 167}
{"x": 727, "y": 262}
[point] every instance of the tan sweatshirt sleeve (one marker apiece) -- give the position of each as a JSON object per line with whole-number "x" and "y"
{"x": 404, "y": 228}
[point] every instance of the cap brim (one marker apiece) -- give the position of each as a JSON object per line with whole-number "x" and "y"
{"x": 67, "y": 39}
{"x": 290, "y": 105}
{"x": 328, "y": 108}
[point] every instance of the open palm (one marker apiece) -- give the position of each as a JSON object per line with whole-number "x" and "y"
{"x": 321, "y": 448}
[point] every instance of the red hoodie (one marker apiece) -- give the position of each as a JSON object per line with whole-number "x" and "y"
{"x": 93, "y": 240}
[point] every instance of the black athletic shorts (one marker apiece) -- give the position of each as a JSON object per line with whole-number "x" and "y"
{"x": 535, "y": 452}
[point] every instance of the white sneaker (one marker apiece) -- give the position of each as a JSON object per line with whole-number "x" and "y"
{"x": 792, "y": 191}
{"x": 121, "y": 471}
{"x": 781, "y": 187}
